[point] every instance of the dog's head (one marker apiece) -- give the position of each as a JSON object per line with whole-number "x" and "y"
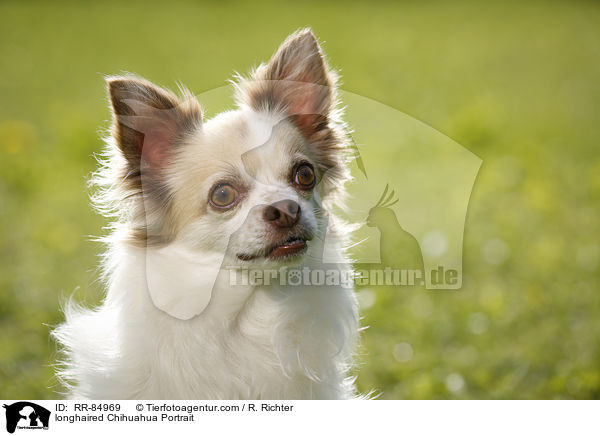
{"x": 252, "y": 181}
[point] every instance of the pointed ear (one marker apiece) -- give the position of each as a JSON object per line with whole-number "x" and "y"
{"x": 148, "y": 121}
{"x": 296, "y": 82}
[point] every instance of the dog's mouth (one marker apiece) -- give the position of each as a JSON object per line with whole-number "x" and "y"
{"x": 286, "y": 248}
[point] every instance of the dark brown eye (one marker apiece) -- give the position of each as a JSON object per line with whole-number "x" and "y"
{"x": 223, "y": 196}
{"x": 304, "y": 176}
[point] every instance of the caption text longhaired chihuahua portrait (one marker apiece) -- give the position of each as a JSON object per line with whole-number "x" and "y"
{"x": 190, "y": 199}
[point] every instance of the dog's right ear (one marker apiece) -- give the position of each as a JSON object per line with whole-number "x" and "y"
{"x": 149, "y": 122}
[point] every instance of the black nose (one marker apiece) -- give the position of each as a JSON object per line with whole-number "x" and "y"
{"x": 284, "y": 213}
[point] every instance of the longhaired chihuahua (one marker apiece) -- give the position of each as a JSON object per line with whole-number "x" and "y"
{"x": 195, "y": 205}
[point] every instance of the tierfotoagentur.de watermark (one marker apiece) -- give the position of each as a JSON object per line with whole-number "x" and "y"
{"x": 305, "y": 276}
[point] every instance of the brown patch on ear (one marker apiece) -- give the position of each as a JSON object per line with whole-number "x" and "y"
{"x": 313, "y": 126}
{"x": 148, "y": 121}
{"x": 296, "y": 83}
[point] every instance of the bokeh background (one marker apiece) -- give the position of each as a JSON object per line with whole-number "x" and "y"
{"x": 515, "y": 82}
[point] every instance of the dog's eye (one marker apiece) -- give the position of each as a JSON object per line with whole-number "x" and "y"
{"x": 304, "y": 176}
{"x": 223, "y": 196}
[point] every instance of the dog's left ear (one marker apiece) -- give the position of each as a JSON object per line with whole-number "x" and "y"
{"x": 296, "y": 83}
{"x": 149, "y": 122}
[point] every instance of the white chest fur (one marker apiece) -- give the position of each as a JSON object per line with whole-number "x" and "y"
{"x": 250, "y": 343}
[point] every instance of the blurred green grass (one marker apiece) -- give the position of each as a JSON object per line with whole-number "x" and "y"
{"x": 514, "y": 82}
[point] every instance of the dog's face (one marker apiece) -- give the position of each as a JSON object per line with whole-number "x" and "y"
{"x": 254, "y": 183}
{"x": 249, "y": 182}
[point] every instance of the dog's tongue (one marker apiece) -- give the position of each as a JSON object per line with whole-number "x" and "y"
{"x": 287, "y": 249}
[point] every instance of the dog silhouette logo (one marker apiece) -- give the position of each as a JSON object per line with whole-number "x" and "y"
{"x": 26, "y": 415}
